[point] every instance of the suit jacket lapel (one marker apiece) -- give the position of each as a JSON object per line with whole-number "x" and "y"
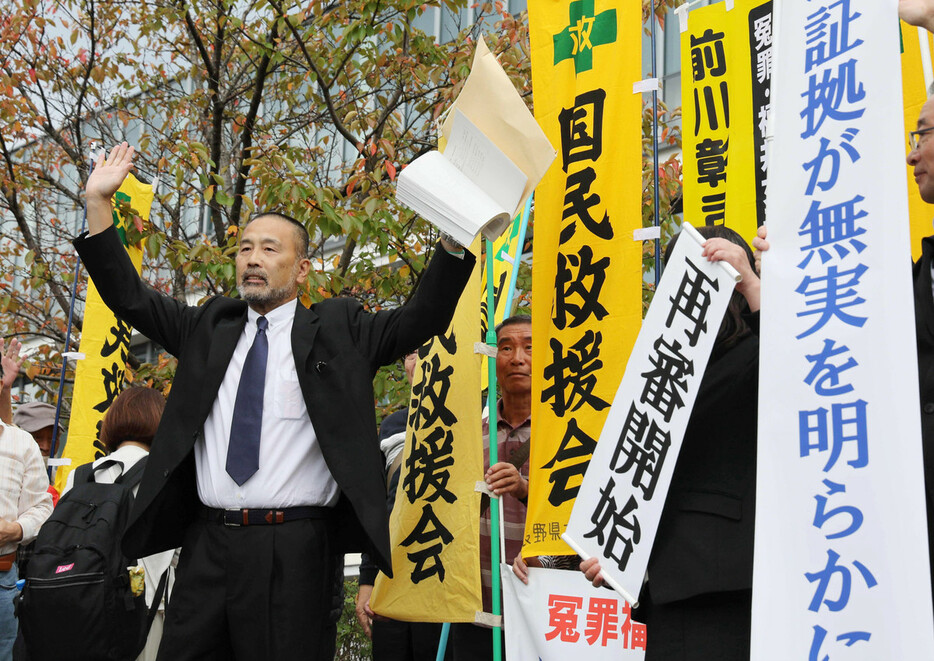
{"x": 304, "y": 328}
{"x": 223, "y": 342}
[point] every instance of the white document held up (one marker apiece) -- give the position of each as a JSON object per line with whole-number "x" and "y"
{"x": 472, "y": 187}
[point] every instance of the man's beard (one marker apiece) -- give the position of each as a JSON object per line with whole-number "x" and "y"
{"x": 268, "y": 296}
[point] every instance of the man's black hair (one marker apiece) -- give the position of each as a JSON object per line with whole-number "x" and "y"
{"x": 513, "y": 321}
{"x": 301, "y": 232}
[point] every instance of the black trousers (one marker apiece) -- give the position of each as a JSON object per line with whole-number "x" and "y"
{"x": 709, "y": 627}
{"x": 474, "y": 643}
{"x": 407, "y": 641}
{"x": 253, "y": 593}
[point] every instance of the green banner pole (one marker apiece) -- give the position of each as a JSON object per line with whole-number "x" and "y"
{"x": 494, "y": 458}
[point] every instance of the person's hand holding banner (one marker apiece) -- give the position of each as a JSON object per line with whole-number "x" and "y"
{"x": 721, "y": 250}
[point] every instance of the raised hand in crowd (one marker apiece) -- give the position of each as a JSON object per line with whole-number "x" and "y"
{"x": 103, "y": 182}
{"x": 917, "y": 12}
{"x": 504, "y": 478}
{"x": 11, "y": 362}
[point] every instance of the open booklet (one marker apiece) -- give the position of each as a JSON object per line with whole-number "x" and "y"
{"x": 472, "y": 187}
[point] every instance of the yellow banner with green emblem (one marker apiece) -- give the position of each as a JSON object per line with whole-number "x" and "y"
{"x": 587, "y": 279}
{"x": 105, "y": 343}
{"x": 434, "y": 527}
{"x": 726, "y": 68}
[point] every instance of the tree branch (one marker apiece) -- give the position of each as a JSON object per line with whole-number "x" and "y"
{"x": 10, "y": 193}
{"x": 325, "y": 92}
{"x": 250, "y": 124}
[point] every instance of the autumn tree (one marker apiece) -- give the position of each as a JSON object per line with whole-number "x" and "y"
{"x": 310, "y": 108}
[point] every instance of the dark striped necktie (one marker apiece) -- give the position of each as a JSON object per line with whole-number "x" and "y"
{"x": 246, "y": 424}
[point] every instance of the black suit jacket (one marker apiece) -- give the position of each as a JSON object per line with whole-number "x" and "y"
{"x": 337, "y": 346}
{"x": 924, "y": 329}
{"x": 704, "y": 542}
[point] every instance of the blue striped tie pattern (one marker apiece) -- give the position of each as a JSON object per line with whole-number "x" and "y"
{"x": 247, "y": 421}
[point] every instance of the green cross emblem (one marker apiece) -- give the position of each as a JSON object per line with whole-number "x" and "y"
{"x": 121, "y": 221}
{"x": 585, "y": 31}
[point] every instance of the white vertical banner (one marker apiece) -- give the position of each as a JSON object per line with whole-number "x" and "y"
{"x": 559, "y": 615}
{"x": 841, "y": 562}
{"x": 620, "y": 502}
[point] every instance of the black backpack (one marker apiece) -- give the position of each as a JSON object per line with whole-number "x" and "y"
{"x": 76, "y": 602}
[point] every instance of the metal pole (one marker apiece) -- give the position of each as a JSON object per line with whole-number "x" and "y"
{"x": 523, "y": 226}
{"x": 491, "y": 407}
{"x": 494, "y": 458}
{"x": 443, "y": 641}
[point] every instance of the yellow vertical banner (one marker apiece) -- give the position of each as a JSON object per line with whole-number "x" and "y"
{"x": 914, "y": 94}
{"x": 587, "y": 280}
{"x": 434, "y": 526}
{"x": 105, "y": 343}
{"x": 726, "y": 70}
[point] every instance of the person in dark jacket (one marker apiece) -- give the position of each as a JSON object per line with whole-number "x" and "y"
{"x": 697, "y": 601}
{"x": 264, "y": 476}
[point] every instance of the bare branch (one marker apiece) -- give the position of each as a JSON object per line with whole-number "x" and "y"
{"x": 250, "y": 124}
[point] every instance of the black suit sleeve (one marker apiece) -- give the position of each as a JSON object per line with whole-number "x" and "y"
{"x": 388, "y": 335}
{"x": 159, "y": 317}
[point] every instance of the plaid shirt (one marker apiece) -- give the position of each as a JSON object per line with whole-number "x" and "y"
{"x": 512, "y": 525}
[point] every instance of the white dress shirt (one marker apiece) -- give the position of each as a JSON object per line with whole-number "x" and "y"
{"x": 292, "y": 471}
{"x": 24, "y": 484}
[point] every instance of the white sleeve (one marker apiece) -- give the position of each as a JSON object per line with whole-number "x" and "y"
{"x": 35, "y": 501}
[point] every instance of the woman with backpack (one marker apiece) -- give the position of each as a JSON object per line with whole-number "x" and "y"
{"x": 127, "y": 432}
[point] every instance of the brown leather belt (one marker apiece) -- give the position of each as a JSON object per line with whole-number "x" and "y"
{"x": 264, "y": 517}
{"x": 6, "y": 561}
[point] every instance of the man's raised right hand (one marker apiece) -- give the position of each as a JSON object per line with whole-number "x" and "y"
{"x": 103, "y": 182}
{"x": 108, "y": 175}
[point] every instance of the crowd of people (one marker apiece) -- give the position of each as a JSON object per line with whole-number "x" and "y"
{"x": 264, "y": 465}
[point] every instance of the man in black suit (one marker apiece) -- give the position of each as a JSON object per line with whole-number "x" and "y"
{"x": 264, "y": 476}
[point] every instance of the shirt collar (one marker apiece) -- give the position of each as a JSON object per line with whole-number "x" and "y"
{"x": 500, "y": 420}
{"x": 275, "y": 317}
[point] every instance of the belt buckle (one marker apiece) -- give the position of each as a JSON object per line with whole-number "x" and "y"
{"x": 234, "y": 517}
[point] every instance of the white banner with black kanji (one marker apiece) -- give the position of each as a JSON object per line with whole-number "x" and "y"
{"x": 620, "y": 501}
